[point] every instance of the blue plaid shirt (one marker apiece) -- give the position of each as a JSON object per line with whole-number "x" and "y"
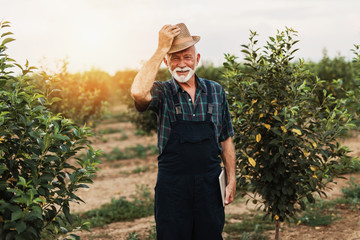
{"x": 163, "y": 105}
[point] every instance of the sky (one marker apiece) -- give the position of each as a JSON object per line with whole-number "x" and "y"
{"x": 114, "y": 35}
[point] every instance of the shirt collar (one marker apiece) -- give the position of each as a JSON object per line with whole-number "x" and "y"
{"x": 176, "y": 86}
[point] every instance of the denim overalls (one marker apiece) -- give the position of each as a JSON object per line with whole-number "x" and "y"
{"x": 188, "y": 203}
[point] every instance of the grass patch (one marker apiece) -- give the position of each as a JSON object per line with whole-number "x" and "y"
{"x": 133, "y": 236}
{"x": 141, "y": 169}
{"x": 314, "y": 216}
{"x": 248, "y": 226}
{"x": 324, "y": 212}
{"x": 109, "y": 130}
{"x": 151, "y": 235}
{"x": 119, "y": 117}
{"x": 139, "y": 151}
{"x": 142, "y": 205}
{"x": 123, "y": 137}
{"x": 252, "y": 236}
{"x": 140, "y": 132}
{"x": 137, "y": 170}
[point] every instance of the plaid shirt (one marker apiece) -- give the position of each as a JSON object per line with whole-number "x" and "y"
{"x": 163, "y": 105}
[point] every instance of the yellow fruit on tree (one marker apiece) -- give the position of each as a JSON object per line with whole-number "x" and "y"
{"x": 252, "y": 161}
{"x": 297, "y": 131}
{"x": 258, "y": 137}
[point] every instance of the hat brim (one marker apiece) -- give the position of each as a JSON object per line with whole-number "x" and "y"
{"x": 185, "y": 45}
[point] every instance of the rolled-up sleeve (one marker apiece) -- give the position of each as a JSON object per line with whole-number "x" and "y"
{"x": 157, "y": 97}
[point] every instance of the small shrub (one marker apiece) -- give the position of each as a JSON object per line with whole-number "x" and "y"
{"x": 123, "y": 137}
{"x": 141, "y": 132}
{"x": 37, "y": 180}
{"x": 133, "y": 236}
{"x": 286, "y": 126}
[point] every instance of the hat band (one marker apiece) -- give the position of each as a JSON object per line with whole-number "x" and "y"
{"x": 182, "y": 40}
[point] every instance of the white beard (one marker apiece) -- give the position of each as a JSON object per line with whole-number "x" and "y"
{"x": 182, "y": 78}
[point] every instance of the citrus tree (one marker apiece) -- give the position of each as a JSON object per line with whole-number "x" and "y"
{"x": 285, "y": 133}
{"x": 339, "y": 77}
{"x": 37, "y": 179}
{"x": 81, "y": 97}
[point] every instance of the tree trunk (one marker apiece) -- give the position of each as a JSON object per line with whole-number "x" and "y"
{"x": 277, "y": 226}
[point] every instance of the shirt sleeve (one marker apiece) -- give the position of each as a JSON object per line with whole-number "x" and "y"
{"x": 157, "y": 97}
{"x": 226, "y": 130}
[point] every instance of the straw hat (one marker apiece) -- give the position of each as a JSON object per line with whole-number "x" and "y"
{"x": 184, "y": 40}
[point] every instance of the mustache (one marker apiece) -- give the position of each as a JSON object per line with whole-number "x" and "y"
{"x": 179, "y": 69}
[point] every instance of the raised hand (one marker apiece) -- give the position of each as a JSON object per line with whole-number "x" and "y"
{"x": 166, "y": 36}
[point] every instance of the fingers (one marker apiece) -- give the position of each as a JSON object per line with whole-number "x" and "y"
{"x": 172, "y": 29}
{"x": 229, "y": 195}
{"x": 166, "y": 36}
{"x": 228, "y": 198}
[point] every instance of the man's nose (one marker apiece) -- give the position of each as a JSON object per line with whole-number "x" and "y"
{"x": 182, "y": 63}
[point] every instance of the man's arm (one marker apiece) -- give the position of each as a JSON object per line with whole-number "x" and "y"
{"x": 228, "y": 157}
{"x": 144, "y": 80}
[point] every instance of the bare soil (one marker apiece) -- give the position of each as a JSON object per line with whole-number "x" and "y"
{"x": 116, "y": 180}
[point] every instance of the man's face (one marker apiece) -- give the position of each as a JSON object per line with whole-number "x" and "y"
{"x": 182, "y": 65}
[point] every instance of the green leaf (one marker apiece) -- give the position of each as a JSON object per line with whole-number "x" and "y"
{"x": 64, "y": 148}
{"x": 22, "y": 181}
{"x": 54, "y": 99}
{"x": 20, "y": 226}
{"x": 60, "y": 137}
{"x": 7, "y": 40}
{"x": 75, "y": 237}
{"x": 63, "y": 230}
{"x": 16, "y": 215}
{"x": 33, "y": 216}
{"x": 68, "y": 216}
{"x": 46, "y": 177}
{"x": 281, "y": 150}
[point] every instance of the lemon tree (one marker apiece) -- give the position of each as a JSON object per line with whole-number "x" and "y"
{"x": 37, "y": 180}
{"x": 286, "y": 126}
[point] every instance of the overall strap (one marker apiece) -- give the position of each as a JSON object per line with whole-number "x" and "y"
{"x": 177, "y": 105}
{"x": 210, "y": 104}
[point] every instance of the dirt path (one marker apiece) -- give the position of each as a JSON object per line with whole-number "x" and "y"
{"x": 116, "y": 180}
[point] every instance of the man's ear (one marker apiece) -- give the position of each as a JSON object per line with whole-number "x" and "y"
{"x": 197, "y": 59}
{"x": 165, "y": 61}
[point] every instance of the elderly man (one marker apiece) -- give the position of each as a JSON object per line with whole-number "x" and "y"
{"x": 194, "y": 130}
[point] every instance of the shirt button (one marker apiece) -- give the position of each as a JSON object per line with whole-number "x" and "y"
{"x": 194, "y": 115}
{"x": 189, "y": 99}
